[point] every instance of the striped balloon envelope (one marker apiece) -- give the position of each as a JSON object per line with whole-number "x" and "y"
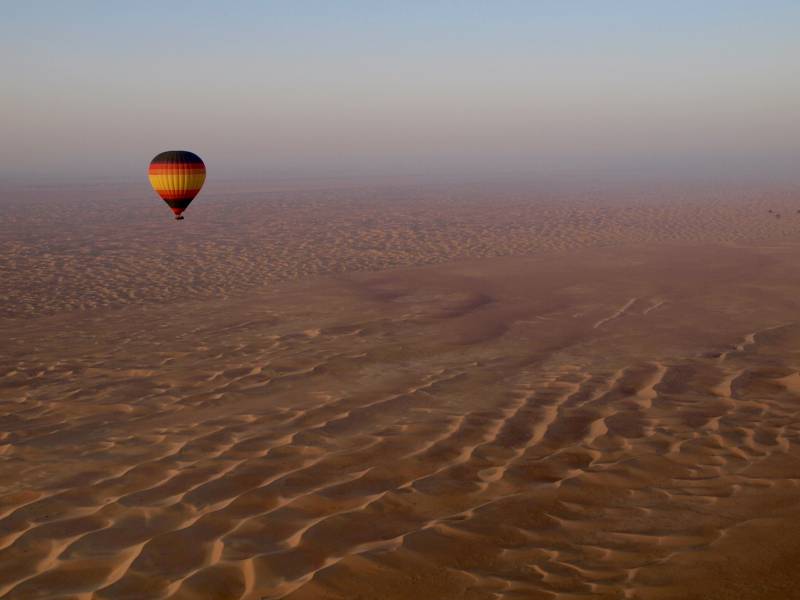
{"x": 177, "y": 176}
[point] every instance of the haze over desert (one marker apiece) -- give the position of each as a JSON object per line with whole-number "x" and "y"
{"x": 439, "y": 392}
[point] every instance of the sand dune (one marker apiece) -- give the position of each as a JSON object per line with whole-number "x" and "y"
{"x": 73, "y": 248}
{"x": 615, "y": 422}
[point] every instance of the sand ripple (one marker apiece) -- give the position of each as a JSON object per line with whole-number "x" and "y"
{"x": 436, "y": 433}
{"x": 65, "y": 248}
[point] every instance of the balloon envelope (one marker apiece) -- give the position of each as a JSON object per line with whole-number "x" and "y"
{"x": 177, "y": 176}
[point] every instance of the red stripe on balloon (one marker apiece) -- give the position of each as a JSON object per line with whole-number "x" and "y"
{"x": 161, "y": 169}
{"x": 181, "y": 195}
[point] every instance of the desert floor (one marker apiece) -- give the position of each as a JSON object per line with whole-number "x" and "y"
{"x": 400, "y": 392}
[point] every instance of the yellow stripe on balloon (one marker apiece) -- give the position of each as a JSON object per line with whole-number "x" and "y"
{"x": 177, "y": 181}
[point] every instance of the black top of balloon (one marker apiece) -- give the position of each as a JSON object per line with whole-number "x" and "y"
{"x": 177, "y": 156}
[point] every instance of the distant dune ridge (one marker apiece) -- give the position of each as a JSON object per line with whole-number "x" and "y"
{"x": 400, "y": 393}
{"x": 67, "y": 248}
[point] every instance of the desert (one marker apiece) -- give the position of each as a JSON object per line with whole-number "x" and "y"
{"x": 395, "y": 390}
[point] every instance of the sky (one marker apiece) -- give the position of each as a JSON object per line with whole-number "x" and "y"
{"x": 304, "y": 88}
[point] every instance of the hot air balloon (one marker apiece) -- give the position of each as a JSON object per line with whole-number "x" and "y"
{"x": 177, "y": 176}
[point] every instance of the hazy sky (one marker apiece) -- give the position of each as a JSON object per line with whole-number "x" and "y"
{"x": 300, "y": 88}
